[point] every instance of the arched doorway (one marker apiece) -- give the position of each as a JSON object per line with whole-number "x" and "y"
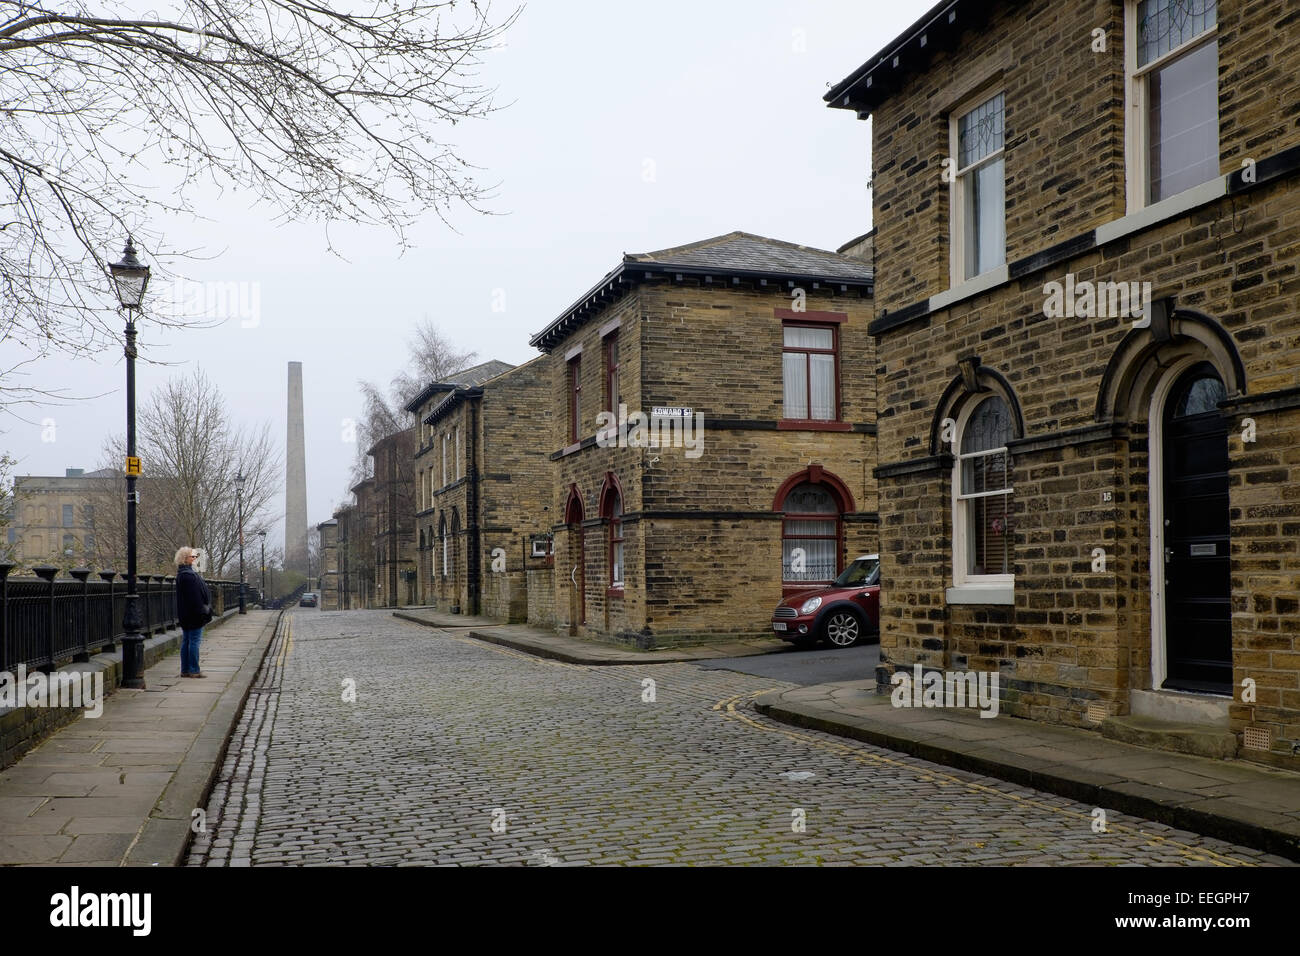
{"x": 573, "y": 516}
{"x": 1190, "y": 561}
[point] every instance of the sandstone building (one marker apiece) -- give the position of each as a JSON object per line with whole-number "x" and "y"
{"x": 1088, "y": 337}
{"x": 53, "y": 517}
{"x": 712, "y": 433}
{"x": 484, "y": 485}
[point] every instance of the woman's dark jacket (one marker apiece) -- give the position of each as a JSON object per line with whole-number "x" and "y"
{"x": 193, "y": 599}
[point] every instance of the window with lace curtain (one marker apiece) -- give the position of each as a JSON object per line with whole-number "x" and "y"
{"x": 810, "y": 535}
{"x": 810, "y": 373}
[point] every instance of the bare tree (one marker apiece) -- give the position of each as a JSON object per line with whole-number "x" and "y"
{"x": 433, "y": 358}
{"x": 8, "y": 505}
{"x": 328, "y": 115}
{"x": 191, "y": 452}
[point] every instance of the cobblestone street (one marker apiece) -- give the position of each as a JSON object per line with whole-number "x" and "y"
{"x": 367, "y": 740}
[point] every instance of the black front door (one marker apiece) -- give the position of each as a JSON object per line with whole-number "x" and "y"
{"x": 1198, "y": 608}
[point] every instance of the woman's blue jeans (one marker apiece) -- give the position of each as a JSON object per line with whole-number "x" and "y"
{"x": 190, "y": 650}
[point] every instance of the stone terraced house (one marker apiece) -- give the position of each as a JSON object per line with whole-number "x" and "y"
{"x": 712, "y": 415}
{"x": 1088, "y": 337}
{"x": 482, "y": 485}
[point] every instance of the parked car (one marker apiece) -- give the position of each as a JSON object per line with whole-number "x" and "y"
{"x": 842, "y": 613}
{"x": 307, "y": 600}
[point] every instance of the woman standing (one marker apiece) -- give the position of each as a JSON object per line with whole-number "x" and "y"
{"x": 193, "y": 607}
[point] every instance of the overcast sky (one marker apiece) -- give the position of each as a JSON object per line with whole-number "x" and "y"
{"x": 627, "y": 129}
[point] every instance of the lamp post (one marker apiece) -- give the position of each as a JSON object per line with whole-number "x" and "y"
{"x": 262, "y": 534}
{"x": 239, "y": 500}
{"x": 130, "y": 277}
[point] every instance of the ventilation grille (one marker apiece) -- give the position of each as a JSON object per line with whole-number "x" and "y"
{"x": 1097, "y": 712}
{"x": 1258, "y": 738}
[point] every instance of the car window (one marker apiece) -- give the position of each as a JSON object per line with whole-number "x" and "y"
{"x": 863, "y": 572}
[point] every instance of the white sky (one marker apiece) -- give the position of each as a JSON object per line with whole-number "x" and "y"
{"x": 720, "y": 100}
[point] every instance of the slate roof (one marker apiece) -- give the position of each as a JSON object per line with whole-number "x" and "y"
{"x": 736, "y": 255}
{"x": 478, "y": 374}
{"x": 743, "y": 252}
{"x": 471, "y": 377}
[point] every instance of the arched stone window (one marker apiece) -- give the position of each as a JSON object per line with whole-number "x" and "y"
{"x": 611, "y": 509}
{"x": 982, "y": 494}
{"x": 442, "y": 536}
{"x": 813, "y": 503}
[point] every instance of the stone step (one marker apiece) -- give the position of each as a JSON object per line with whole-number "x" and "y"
{"x": 1181, "y": 738}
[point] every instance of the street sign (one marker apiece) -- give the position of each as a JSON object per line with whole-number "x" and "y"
{"x": 132, "y": 465}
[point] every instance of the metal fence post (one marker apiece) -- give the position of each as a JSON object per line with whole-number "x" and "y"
{"x": 111, "y": 645}
{"x": 81, "y": 574}
{"x": 5, "y": 654}
{"x": 143, "y": 587}
{"x": 47, "y": 572}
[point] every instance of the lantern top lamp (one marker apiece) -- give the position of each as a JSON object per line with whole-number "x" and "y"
{"x": 130, "y": 277}
{"x": 239, "y": 481}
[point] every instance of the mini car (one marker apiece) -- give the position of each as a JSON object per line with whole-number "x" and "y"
{"x": 842, "y": 613}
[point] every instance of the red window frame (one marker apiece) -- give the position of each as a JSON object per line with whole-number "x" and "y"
{"x": 575, "y": 394}
{"x": 833, "y": 327}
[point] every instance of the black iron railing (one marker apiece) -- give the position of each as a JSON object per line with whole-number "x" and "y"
{"x": 46, "y": 620}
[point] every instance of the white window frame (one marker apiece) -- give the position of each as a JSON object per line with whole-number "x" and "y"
{"x": 1137, "y": 138}
{"x": 963, "y": 580}
{"x": 957, "y": 188}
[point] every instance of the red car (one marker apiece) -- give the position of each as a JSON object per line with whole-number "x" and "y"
{"x": 842, "y": 613}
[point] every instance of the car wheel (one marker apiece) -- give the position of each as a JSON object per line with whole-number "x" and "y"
{"x": 842, "y": 628}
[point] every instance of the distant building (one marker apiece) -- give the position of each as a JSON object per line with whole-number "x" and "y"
{"x": 329, "y": 564}
{"x": 439, "y": 470}
{"x": 483, "y": 484}
{"x": 53, "y": 517}
{"x": 393, "y": 504}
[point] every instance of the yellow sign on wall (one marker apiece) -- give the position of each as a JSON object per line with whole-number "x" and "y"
{"x": 132, "y": 465}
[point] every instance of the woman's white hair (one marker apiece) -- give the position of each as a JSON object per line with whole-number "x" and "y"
{"x": 184, "y": 553}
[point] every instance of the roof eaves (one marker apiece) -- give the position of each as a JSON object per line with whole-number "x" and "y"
{"x": 632, "y": 271}
{"x": 868, "y": 85}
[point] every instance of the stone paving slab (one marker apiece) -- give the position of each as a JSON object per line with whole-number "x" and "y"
{"x": 91, "y": 794}
{"x": 1231, "y": 799}
{"x": 573, "y": 650}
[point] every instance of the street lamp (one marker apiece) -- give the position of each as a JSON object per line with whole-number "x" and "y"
{"x": 262, "y": 534}
{"x": 239, "y": 500}
{"x": 130, "y": 278}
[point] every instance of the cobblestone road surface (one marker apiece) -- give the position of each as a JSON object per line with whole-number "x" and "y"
{"x": 368, "y": 740}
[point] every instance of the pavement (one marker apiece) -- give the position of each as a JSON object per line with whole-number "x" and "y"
{"x": 121, "y": 789}
{"x": 574, "y": 650}
{"x": 1234, "y": 800}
